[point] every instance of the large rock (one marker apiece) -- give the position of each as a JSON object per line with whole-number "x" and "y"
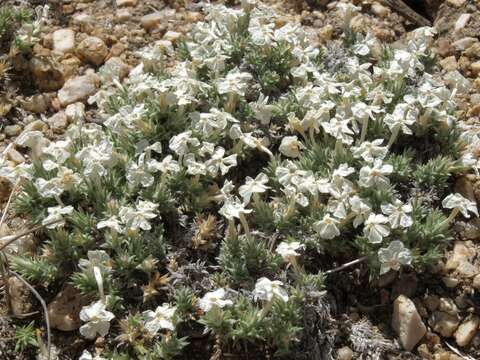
{"x": 20, "y": 297}
{"x": 114, "y": 68}
{"x": 92, "y": 50}
{"x": 407, "y": 322}
{"x": 47, "y": 74}
{"x": 64, "y": 310}
{"x": 77, "y": 89}
{"x": 466, "y": 331}
{"x": 445, "y": 324}
{"x": 58, "y": 122}
{"x": 64, "y": 40}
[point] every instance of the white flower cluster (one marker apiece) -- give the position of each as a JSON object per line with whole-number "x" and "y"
{"x": 221, "y": 133}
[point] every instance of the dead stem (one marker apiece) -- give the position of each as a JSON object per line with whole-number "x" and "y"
{"x": 44, "y": 306}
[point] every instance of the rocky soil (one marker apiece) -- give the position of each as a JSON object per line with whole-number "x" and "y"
{"x": 435, "y": 315}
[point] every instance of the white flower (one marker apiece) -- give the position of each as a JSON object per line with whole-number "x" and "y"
{"x": 398, "y": 214}
{"x": 48, "y": 188}
{"x": 394, "y": 256}
{"x": 87, "y": 356}
{"x": 369, "y": 151}
{"x": 161, "y": 318}
{"x": 374, "y": 228}
{"x": 55, "y": 214}
{"x": 235, "y": 82}
{"x": 327, "y": 227}
{"x": 361, "y": 209}
{"x": 137, "y": 173}
{"x": 96, "y": 258}
{"x": 214, "y": 299}
{"x": 290, "y": 146}
{"x": 288, "y": 250}
{"x": 457, "y": 201}
{"x": 219, "y": 162}
{"x": 253, "y": 186}
{"x": 111, "y": 223}
{"x": 375, "y": 175}
{"x": 267, "y": 290}
{"x": 138, "y": 218}
{"x": 339, "y": 129}
{"x": 180, "y": 143}
{"x": 402, "y": 117}
{"x": 233, "y": 208}
{"x": 97, "y": 320}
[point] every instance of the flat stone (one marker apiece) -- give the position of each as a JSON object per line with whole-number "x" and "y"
{"x": 64, "y": 40}
{"x": 92, "y": 50}
{"x": 77, "y": 89}
{"x": 15, "y": 156}
{"x": 466, "y": 331}
{"x": 462, "y": 21}
{"x": 464, "y": 43}
{"x": 12, "y": 130}
{"x": 445, "y": 324}
{"x": 126, "y": 3}
{"x": 456, "y": 3}
{"x": 407, "y": 322}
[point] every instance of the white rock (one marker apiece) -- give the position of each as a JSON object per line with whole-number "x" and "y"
{"x": 466, "y": 331}
{"x": 75, "y": 112}
{"x": 407, "y": 322}
{"x": 12, "y": 130}
{"x": 92, "y": 50}
{"x": 344, "y": 353}
{"x": 64, "y": 40}
{"x": 58, "y": 122}
{"x": 462, "y": 21}
{"x": 172, "y": 36}
{"x": 114, "y": 68}
{"x": 77, "y": 89}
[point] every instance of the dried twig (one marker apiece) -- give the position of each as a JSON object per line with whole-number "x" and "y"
{"x": 3, "y": 260}
{"x": 346, "y": 265}
{"x": 12, "y": 238}
{"x": 458, "y": 352}
{"x": 403, "y": 9}
{"x": 44, "y": 306}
